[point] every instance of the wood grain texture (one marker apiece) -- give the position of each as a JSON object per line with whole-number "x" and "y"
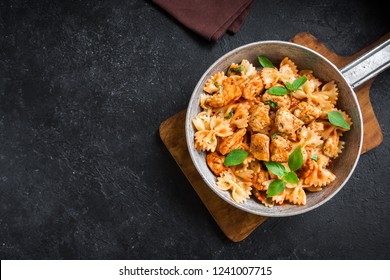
{"x": 235, "y": 223}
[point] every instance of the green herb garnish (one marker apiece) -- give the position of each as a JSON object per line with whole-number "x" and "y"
{"x": 265, "y": 62}
{"x": 276, "y": 187}
{"x": 295, "y": 161}
{"x": 314, "y": 157}
{"x": 291, "y": 177}
{"x": 289, "y": 89}
{"x": 228, "y": 116}
{"x": 235, "y": 157}
{"x": 236, "y": 69}
{"x": 337, "y": 119}
{"x": 271, "y": 103}
{"x": 278, "y": 90}
{"x": 299, "y": 82}
{"x": 276, "y": 168}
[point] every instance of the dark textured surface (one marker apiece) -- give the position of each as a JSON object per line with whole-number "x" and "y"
{"x": 84, "y": 86}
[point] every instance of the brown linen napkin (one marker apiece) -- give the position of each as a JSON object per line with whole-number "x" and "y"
{"x": 209, "y": 18}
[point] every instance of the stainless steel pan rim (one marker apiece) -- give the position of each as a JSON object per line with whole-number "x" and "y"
{"x": 196, "y": 156}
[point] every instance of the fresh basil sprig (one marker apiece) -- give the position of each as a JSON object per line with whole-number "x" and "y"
{"x": 235, "y": 157}
{"x": 337, "y": 119}
{"x": 289, "y": 89}
{"x": 297, "y": 83}
{"x": 295, "y": 161}
{"x": 276, "y": 168}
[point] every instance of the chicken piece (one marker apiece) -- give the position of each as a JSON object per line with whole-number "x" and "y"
{"x": 280, "y": 148}
{"x": 259, "y": 146}
{"x": 215, "y": 163}
{"x": 252, "y": 87}
{"x": 259, "y": 178}
{"x": 287, "y": 122}
{"x": 229, "y": 92}
{"x": 331, "y": 145}
{"x": 307, "y": 112}
{"x": 317, "y": 127}
{"x": 231, "y": 142}
{"x": 259, "y": 118}
{"x": 294, "y": 103}
{"x": 281, "y": 100}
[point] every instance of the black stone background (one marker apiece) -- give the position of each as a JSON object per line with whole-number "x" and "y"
{"x": 84, "y": 86}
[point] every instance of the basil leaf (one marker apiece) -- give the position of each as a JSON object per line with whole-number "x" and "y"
{"x": 337, "y": 119}
{"x": 314, "y": 157}
{"x": 295, "y": 160}
{"x": 291, "y": 177}
{"x": 275, "y": 167}
{"x": 235, "y": 157}
{"x": 276, "y": 187}
{"x": 278, "y": 90}
{"x": 299, "y": 82}
{"x": 228, "y": 116}
{"x": 265, "y": 62}
{"x": 289, "y": 86}
{"x": 271, "y": 103}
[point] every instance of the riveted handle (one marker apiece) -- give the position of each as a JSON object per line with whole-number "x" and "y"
{"x": 368, "y": 65}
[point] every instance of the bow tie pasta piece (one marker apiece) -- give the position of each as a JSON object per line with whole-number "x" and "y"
{"x": 245, "y": 69}
{"x": 286, "y": 73}
{"x": 241, "y": 190}
{"x": 209, "y": 130}
{"x": 318, "y": 175}
{"x": 296, "y": 195}
{"x": 240, "y": 115}
{"x": 214, "y": 83}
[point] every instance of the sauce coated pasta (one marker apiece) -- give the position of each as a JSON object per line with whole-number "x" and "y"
{"x": 270, "y": 132}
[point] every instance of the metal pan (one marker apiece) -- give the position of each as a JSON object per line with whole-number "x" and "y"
{"x": 354, "y": 74}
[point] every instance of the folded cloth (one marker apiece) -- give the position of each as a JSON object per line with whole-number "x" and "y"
{"x": 209, "y": 18}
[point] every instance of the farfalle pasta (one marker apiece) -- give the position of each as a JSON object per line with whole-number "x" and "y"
{"x": 272, "y": 116}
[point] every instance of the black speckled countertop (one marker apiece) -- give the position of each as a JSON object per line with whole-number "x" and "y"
{"x": 84, "y": 86}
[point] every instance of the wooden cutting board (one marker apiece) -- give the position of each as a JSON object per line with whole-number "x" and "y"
{"x": 235, "y": 223}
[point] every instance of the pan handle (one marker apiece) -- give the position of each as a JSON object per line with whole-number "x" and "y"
{"x": 368, "y": 65}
